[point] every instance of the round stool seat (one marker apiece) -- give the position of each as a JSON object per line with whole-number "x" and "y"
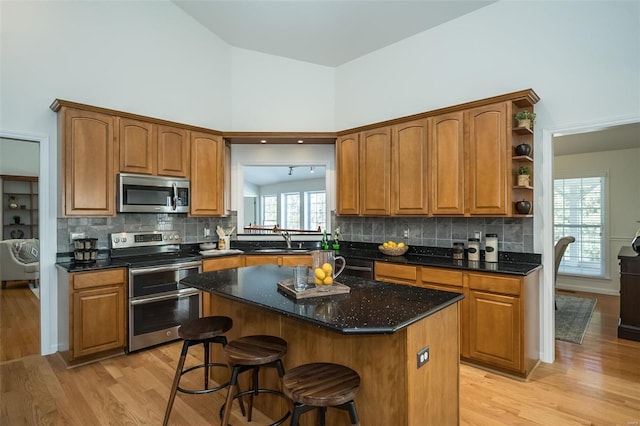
{"x": 321, "y": 384}
{"x": 205, "y": 328}
{"x": 255, "y": 350}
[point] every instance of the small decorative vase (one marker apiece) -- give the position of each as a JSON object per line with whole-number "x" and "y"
{"x": 523, "y": 207}
{"x": 13, "y": 203}
{"x": 523, "y": 149}
{"x": 16, "y": 220}
{"x": 523, "y": 180}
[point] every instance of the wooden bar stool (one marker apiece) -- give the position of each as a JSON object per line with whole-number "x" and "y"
{"x": 199, "y": 331}
{"x": 252, "y": 353}
{"x": 321, "y": 385}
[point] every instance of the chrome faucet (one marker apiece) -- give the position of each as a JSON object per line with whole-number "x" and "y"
{"x": 287, "y": 238}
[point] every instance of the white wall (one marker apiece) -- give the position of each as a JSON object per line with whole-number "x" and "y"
{"x": 621, "y": 167}
{"x": 147, "y": 58}
{"x": 582, "y": 58}
{"x": 278, "y": 94}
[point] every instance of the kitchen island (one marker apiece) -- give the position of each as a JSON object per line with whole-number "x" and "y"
{"x": 377, "y": 329}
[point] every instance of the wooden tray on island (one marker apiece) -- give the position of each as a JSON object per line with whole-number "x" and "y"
{"x": 311, "y": 291}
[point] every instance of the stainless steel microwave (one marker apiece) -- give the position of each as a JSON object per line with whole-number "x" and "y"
{"x": 153, "y": 194}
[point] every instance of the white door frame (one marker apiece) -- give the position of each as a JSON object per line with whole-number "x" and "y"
{"x": 48, "y": 235}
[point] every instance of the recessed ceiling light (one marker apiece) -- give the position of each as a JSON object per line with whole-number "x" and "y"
{"x": 263, "y": 141}
{"x": 300, "y": 141}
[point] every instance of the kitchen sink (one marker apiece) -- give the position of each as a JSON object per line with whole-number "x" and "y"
{"x": 281, "y": 250}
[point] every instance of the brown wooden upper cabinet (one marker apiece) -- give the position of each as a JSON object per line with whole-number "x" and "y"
{"x": 347, "y": 165}
{"x": 410, "y": 168}
{"x": 446, "y": 152}
{"x": 88, "y": 161}
{"x": 375, "y": 172}
{"x": 153, "y": 149}
{"x": 207, "y": 175}
{"x": 488, "y": 177}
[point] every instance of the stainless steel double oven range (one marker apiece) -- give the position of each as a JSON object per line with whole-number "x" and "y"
{"x": 157, "y": 303}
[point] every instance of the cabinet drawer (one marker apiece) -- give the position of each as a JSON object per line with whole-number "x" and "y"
{"x": 495, "y": 284}
{"x": 398, "y": 273}
{"x": 630, "y": 266}
{"x": 441, "y": 276}
{"x": 98, "y": 279}
{"x": 209, "y": 265}
{"x": 295, "y": 259}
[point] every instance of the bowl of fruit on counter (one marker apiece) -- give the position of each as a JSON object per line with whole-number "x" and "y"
{"x": 391, "y": 248}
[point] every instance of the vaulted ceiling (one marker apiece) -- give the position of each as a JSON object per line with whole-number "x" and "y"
{"x": 329, "y": 32}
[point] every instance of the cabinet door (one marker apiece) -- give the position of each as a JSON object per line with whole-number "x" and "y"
{"x": 98, "y": 320}
{"x": 137, "y": 147}
{"x": 173, "y": 151}
{"x": 495, "y": 334}
{"x": 488, "y": 174}
{"x": 409, "y": 168}
{"x": 207, "y": 175}
{"x": 375, "y": 172}
{"x": 254, "y": 260}
{"x": 88, "y": 161}
{"x": 221, "y": 263}
{"x": 347, "y": 179}
{"x": 446, "y": 152}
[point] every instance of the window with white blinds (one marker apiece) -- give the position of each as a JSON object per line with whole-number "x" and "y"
{"x": 579, "y": 211}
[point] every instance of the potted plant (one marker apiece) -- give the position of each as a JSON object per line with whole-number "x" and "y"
{"x": 524, "y": 176}
{"x": 525, "y": 118}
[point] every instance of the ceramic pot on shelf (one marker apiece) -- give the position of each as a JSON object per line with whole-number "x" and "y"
{"x": 523, "y": 207}
{"x": 13, "y": 203}
{"x": 523, "y": 149}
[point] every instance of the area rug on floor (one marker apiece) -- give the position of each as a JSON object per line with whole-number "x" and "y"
{"x": 572, "y": 317}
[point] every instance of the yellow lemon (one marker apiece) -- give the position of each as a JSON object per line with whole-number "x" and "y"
{"x": 385, "y": 244}
{"x": 327, "y": 268}
{"x": 319, "y": 273}
{"x": 400, "y": 245}
{"x": 328, "y": 280}
{"x": 392, "y": 244}
{"x": 319, "y": 281}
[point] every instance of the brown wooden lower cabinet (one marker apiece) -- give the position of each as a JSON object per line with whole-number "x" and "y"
{"x": 284, "y": 260}
{"x": 499, "y": 316}
{"x": 96, "y": 314}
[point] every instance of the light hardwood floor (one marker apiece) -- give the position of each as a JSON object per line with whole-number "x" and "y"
{"x": 19, "y": 322}
{"x": 596, "y": 383}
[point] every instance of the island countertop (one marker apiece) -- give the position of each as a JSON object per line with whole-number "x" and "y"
{"x": 371, "y": 307}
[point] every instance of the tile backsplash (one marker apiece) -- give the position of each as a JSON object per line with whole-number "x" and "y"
{"x": 514, "y": 234}
{"x": 192, "y": 228}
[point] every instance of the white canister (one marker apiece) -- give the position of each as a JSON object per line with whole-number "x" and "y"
{"x": 491, "y": 248}
{"x": 473, "y": 249}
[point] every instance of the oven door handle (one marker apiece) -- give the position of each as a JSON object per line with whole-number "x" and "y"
{"x": 359, "y": 268}
{"x": 175, "y": 267}
{"x": 146, "y": 300}
{"x": 174, "y": 205}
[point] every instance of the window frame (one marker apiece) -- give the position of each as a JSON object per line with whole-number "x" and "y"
{"x": 605, "y": 234}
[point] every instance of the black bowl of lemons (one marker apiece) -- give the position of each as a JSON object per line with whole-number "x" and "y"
{"x": 391, "y": 248}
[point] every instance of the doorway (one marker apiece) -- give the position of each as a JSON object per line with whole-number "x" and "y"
{"x": 19, "y": 295}
{"x": 544, "y": 222}
{"x": 48, "y": 322}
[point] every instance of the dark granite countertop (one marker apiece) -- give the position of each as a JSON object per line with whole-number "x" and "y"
{"x": 372, "y": 307}
{"x": 508, "y": 262}
{"x": 105, "y": 263}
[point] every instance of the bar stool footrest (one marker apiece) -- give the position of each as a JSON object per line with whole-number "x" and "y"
{"x": 208, "y": 390}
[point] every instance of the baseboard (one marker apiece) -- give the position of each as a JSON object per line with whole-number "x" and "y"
{"x": 589, "y": 289}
